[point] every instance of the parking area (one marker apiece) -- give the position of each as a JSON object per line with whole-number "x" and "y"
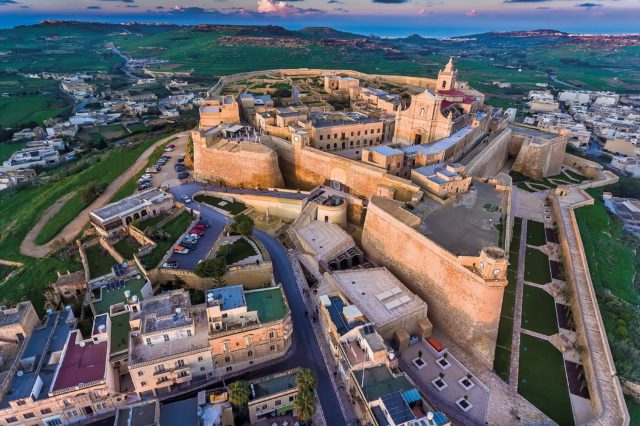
{"x": 167, "y": 174}
{"x": 202, "y": 247}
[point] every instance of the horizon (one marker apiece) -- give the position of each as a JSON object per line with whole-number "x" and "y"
{"x": 384, "y": 18}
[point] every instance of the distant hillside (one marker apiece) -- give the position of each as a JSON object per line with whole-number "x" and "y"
{"x": 326, "y": 32}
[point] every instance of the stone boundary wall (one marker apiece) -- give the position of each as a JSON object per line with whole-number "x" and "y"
{"x": 11, "y": 263}
{"x": 607, "y": 399}
{"x": 83, "y": 255}
{"x": 490, "y": 160}
{"x": 631, "y": 388}
{"x": 111, "y": 250}
{"x": 313, "y": 72}
{"x": 463, "y": 304}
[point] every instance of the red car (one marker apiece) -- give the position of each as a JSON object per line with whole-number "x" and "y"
{"x": 196, "y": 231}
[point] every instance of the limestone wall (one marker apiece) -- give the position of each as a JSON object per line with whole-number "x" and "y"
{"x": 250, "y": 276}
{"x": 282, "y": 207}
{"x": 538, "y": 158}
{"x": 236, "y": 163}
{"x": 492, "y": 158}
{"x": 461, "y": 303}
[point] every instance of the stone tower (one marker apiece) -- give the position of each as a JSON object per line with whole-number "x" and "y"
{"x": 447, "y": 77}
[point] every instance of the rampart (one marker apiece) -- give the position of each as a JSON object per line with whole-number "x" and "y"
{"x": 605, "y": 391}
{"x": 461, "y": 302}
{"x": 227, "y": 162}
{"x": 491, "y": 159}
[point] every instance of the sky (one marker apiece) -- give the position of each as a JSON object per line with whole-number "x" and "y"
{"x": 381, "y": 17}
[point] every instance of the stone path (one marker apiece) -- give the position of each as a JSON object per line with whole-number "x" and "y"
{"x": 514, "y": 368}
{"x": 28, "y": 247}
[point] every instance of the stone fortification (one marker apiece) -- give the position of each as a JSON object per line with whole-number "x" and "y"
{"x": 305, "y": 168}
{"x": 539, "y": 155}
{"x": 235, "y": 163}
{"x": 461, "y": 302}
{"x": 490, "y": 159}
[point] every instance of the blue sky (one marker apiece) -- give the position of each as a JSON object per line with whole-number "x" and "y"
{"x": 383, "y": 17}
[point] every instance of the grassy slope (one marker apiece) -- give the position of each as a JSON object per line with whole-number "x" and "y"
{"x": 9, "y": 148}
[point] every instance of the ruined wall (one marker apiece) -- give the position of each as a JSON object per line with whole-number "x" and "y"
{"x": 236, "y": 163}
{"x": 492, "y": 158}
{"x": 461, "y": 303}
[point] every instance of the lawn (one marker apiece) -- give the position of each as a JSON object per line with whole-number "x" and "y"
{"x": 239, "y": 250}
{"x": 233, "y": 207}
{"x": 539, "y": 311}
{"x": 542, "y": 379}
{"x": 536, "y": 267}
{"x": 105, "y": 171}
{"x": 535, "y": 233}
{"x": 100, "y": 261}
{"x": 109, "y": 298}
{"x": 6, "y": 149}
{"x": 120, "y": 329}
{"x": 175, "y": 228}
{"x": 634, "y": 410}
{"x": 151, "y": 222}
{"x": 127, "y": 247}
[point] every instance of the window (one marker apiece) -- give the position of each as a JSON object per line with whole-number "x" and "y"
{"x": 264, "y": 406}
{"x": 12, "y": 419}
{"x": 320, "y": 137}
{"x": 149, "y": 341}
{"x": 202, "y": 368}
{"x": 225, "y": 346}
{"x": 20, "y": 402}
{"x": 46, "y": 411}
{"x": 278, "y": 402}
{"x": 444, "y": 84}
{"x": 422, "y": 112}
{"x": 229, "y": 368}
{"x": 186, "y": 373}
{"x": 227, "y": 359}
{"x": 335, "y": 136}
{"x": 140, "y": 373}
{"x": 351, "y": 134}
{"x": 189, "y": 333}
{"x": 29, "y": 415}
{"x": 291, "y": 398}
{"x": 272, "y": 348}
{"x": 163, "y": 379}
{"x": 250, "y": 353}
{"x": 272, "y": 335}
{"x": 53, "y": 422}
{"x": 166, "y": 337}
{"x": 200, "y": 358}
{"x": 366, "y": 131}
{"x": 143, "y": 384}
{"x": 180, "y": 363}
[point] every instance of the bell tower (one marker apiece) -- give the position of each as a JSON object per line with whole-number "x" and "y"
{"x": 447, "y": 77}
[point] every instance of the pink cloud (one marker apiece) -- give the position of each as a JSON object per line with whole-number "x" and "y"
{"x": 423, "y": 12}
{"x": 472, "y": 12}
{"x": 282, "y": 8}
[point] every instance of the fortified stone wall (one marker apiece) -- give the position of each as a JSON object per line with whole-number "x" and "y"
{"x": 229, "y": 162}
{"x": 538, "y": 158}
{"x": 461, "y": 303}
{"x": 490, "y": 160}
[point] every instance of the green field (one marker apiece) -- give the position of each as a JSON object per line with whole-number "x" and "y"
{"x": 536, "y": 267}
{"x": 538, "y": 311}
{"x": 542, "y": 379}
{"x": 7, "y": 149}
{"x": 105, "y": 171}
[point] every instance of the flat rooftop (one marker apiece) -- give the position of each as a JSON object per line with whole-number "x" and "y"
{"x": 130, "y": 204}
{"x": 327, "y": 240}
{"x": 143, "y": 414}
{"x": 268, "y": 302}
{"x": 467, "y": 225}
{"x": 378, "y": 294}
{"x": 114, "y": 294}
{"x": 379, "y": 381}
{"x": 532, "y": 132}
{"x": 139, "y": 352}
{"x": 274, "y": 384}
{"x": 10, "y": 316}
{"x": 385, "y": 150}
{"x": 230, "y": 297}
{"x": 82, "y": 363}
{"x": 120, "y": 329}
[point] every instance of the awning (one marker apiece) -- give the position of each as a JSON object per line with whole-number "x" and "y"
{"x": 285, "y": 409}
{"x": 411, "y": 395}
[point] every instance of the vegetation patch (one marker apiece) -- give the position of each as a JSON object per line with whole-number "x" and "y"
{"x": 100, "y": 261}
{"x": 237, "y": 251}
{"x": 542, "y": 379}
{"x": 233, "y": 207}
{"x": 539, "y": 311}
{"x": 535, "y": 234}
{"x": 536, "y": 267}
{"x": 165, "y": 237}
{"x": 127, "y": 247}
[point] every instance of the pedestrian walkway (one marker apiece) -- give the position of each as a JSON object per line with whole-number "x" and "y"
{"x": 517, "y": 312}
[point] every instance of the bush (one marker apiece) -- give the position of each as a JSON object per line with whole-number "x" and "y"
{"x": 92, "y": 191}
{"x": 212, "y": 268}
{"x": 243, "y": 225}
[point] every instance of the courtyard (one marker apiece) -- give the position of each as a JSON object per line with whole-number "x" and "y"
{"x": 536, "y": 269}
{"x": 538, "y": 311}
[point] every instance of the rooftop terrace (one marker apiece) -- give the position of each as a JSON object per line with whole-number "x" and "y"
{"x": 274, "y": 384}
{"x": 230, "y": 297}
{"x": 268, "y": 302}
{"x": 120, "y": 329}
{"x": 379, "y": 381}
{"x": 114, "y": 294}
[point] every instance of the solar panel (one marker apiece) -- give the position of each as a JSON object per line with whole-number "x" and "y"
{"x": 397, "y": 408}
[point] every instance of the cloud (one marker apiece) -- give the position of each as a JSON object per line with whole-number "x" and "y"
{"x": 282, "y": 8}
{"x": 123, "y": 1}
{"x": 333, "y": 1}
{"x": 525, "y": 1}
{"x": 390, "y": 1}
{"x": 471, "y": 12}
{"x": 423, "y": 12}
{"x": 93, "y": 7}
{"x": 589, "y": 5}
{"x": 3, "y": 2}
{"x": 131, "y": 6}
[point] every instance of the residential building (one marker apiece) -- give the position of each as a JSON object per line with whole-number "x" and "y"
{"x": 273, "y": 395}
{"x": 442, "y": 180}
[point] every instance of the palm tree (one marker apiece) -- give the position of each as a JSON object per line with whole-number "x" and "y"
{"x": 306, "y": 380}
{"x": 305, "y": 404}
{"x": 239, "y": 394}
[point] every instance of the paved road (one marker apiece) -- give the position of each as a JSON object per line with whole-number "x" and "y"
{"x": 305, "y": 351}
{"x": 28, "y": 247}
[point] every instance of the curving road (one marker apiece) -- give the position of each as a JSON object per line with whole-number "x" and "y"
{"x": 305, "y": 350}
{"x": 28, "y": 247}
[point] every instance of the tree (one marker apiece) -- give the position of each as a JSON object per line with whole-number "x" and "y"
{"x": 242, "y": 225}
{"x": 92, "y": 191}
{"x": 305, "y": 404}
{"x": 239, "y": 394}
{"x": 212, "y": 268}
{"x": 306, "y": 379}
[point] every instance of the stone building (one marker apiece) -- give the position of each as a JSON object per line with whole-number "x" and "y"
{"x": 339, "y": 85}
{"x": 168, "y": 343}
{"x": 275, "y": 393}
{"x": 442, "y": 180}
{"x": 112, "y": 220}
{"x": 247, "y": 328}
{"x": 217, "y": 109}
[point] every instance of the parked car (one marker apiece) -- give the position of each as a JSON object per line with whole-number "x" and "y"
{"x": 151, "y": 170}
{"x": 180, "y": 168}
{"x": 143, "y": 180}
{"x": 170, "y": 265}
{"x": 144, "y": 185}
{"x": 204, "y": 222}
{"x": 197, "y": 231}
{"x": 169, "y": 149}
{"x": 193, "y": 236}
{"x": 146, "y": 176}
{"x": 171, "y": 145}
{"x": 186, "y": 244}
{"x": 183, "y": 175}
{"x": 180, "y": 160}
{"x": 186, "y": 198}
{"x": 181, "y": 250}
